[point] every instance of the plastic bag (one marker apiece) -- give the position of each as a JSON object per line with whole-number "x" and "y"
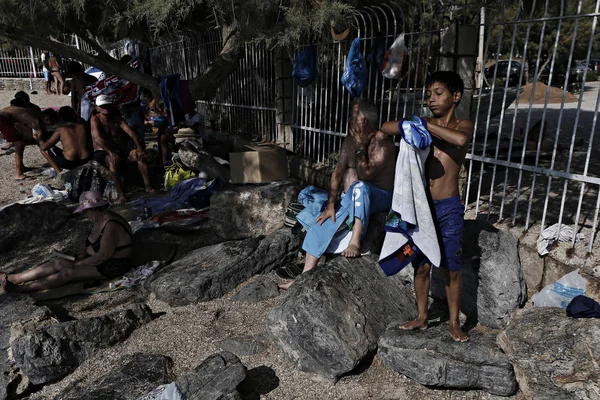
{"x": 355, "y": 72}
{"x": 42, "y": 190}
{"x": 561, "y": 292}
{"x": 392, "y": 64}
{"x": 175, "y": 173}
{"x": 305, "y": 66}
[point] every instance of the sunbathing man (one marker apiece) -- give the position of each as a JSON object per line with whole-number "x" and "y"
{"x": 367, "y": 160}
{"x": 74, "y": 140}
{"x": 450, "y": 139}
{"x": 22, "y": 127}
{"x": 116, "y": 143}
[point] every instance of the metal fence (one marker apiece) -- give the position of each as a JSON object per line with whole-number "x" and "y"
{"x": 535, "y": 99}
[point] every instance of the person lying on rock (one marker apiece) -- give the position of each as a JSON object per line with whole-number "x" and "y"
{"x": 22, "y": 127}
{"x": 367, "y": 162}
{"x": 73, "y": 137}
{"x": 115, "y": 143}
{"x": 108, "y": 247}
{"x": 451, "y": 137}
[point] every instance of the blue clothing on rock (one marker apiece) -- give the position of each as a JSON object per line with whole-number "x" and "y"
{"x": 361, "y": 200}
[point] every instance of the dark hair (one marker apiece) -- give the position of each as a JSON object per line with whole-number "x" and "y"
{"x": 126, "y": 59}
{"x": 22, "y": 95}
{"x": 368, "y": 109}
{"x": 67, "y": 114}
{"x": 451, "y": 79}
{"x": 75, "y": 67}
{"x": 18, "y": 103}
{"x": 50, "y": 114}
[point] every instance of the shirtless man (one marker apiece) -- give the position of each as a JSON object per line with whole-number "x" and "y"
{"x": 22, "y": 127}
{"x": 116, "y": 143}
{"x": 366, "y": 168}
{"x": 27, "y": 101}
{"x": 450, "y": 141}
{"x": 78, "y": 84}
{"x": 74, "y": 140}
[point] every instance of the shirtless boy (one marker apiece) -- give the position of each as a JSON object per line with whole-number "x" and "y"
{"x": 22, "y": 127}
{"x": 366, "y": 169}
{"x": 116, "y": 143}
{"x": 74, "y": 139}
{"x": 450, "y": 139}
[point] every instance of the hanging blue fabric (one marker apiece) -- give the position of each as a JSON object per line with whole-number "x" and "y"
{"x": 305, "y": 66}
{"x": 170, "y": 91}
{"x": 355, "y": 72}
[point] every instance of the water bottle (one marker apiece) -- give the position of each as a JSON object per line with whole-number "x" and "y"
{"x": 22, "y": 188}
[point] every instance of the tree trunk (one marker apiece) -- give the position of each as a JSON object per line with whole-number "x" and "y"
{"x": 205, "y": 86}
{"x": 103, "y": 62}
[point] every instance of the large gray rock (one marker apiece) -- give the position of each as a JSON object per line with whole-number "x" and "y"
{"x": 201, "y": 161}
{"x": 243, "y": 211}
{"x": 245, "y": 345}
{"x": 136, "y": 375}
{"x": 554, "y": 356}
{"x": 18, "y": 315}
{"x": 261, "y": 288}
{"x": 332, "y": 316}
{"x": 216, "y": 378}
{"x": 432, "y": 358}
{"x": 210, "y": 272}
{"x": 50, "y": 353}
{"x": 493, "y": 284}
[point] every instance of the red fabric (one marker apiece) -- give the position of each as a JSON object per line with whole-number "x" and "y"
{"x": 8, "y": 130}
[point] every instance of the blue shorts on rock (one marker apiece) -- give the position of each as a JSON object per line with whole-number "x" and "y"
{"x": 449, "y": 222}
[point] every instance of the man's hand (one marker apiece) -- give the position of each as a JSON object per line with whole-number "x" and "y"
{"x": 328, "y": 213}
{"x": 140, "y": 154}
{"x": 361, "y": 137}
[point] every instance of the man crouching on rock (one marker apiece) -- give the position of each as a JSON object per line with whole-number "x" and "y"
{"x": 367, "y": 161}
{"x": 449, "y": 147}
{"x": 115, "y": 143}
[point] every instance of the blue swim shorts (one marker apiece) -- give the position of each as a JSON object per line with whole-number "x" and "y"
{"x": 449, "y": 223}
{"x": 47, "y": 76}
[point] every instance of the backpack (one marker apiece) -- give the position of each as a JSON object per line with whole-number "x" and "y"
{"x": 88, "y": 179}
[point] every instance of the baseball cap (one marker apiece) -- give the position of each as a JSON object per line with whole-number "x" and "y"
{"x": 104, "y": 100}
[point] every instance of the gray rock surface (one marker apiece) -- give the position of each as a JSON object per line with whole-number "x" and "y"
{"x": 554, "y": 356}
{"x": 331, "y": 318}
{"x": 432, "y": 358}
{"x": 18, "y": 315}
{"x": 202, "y": 161}
{"x": 243, "y": 211}
{"x": 210, "y": 272}
{"x": 50, "y": 353}
{"x": 216, "y": 378}
{"x": 259, "y": 289}
{"x": 136, "y": 375}
{"x": 245, "y": 345}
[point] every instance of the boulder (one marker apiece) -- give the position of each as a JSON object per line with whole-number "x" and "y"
{"x": 261, "y": 288}
{"x": 245, "y": 345}
{"x": 200, "y": 160}
{"x": 243, "y": 211}
{"x": 493, "y": 284}
{"x": 432, "y": 358}
{"x": 135, "y": 375}
{"x": 216, "y": 378}
{"x": 331, "y": 317}
{"x": 50, "y": 353}
{"x": 210, "y": 272}
{"x": 554, "y": 356}
{"x": 18, "y": 315}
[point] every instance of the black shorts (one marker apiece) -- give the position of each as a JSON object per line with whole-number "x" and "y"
{"x": 57, "y": 155}
{"x": 100, "y": 155}
{"x": 115, "y": 267}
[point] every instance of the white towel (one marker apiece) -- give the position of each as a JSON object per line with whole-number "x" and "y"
{"x": 410, "y": 201}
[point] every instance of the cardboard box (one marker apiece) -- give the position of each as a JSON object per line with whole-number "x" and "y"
{"x": 261, "y": 163}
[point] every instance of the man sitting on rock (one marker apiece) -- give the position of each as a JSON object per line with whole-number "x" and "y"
{"x": 367, "y": 162}
{"x": 74, "y": 140}
{"x": 116, "y": 143}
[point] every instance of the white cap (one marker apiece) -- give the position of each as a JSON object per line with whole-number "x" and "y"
{"x": 104, "y": 100}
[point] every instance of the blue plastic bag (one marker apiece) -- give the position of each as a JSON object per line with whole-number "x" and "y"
{"x": 355, "y": 72}
{"x": 305, "y": 66}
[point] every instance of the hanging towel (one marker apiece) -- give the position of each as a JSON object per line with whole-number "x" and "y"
{"x": 410, "y": 228}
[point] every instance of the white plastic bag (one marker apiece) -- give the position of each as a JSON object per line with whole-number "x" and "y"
{"x": 394, "y": 58}
{"x": 164, "y": 392}
{"x": 561, "y": 292}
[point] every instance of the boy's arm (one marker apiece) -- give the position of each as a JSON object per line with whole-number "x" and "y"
{"x": 46, "y": 146}
{"x": 459, "y": 136}
{"x": 391, "y": 128}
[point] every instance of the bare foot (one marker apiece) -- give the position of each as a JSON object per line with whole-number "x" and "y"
{"x": 150, "y": 190}
{"x": 352, "y": 251}
{"x": 286, "y": 285}
{"x": 6, "y": 284}
{"x": 122, "y": 200}
{"x": 415, "y": 324}
{"x": 457, "y": 334}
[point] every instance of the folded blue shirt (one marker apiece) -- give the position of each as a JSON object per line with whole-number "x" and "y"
{"x": 414, "y": 132}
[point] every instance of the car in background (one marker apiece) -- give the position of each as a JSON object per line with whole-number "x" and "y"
{"x": 579, "y": 66}
{"x": 504, "y": 69}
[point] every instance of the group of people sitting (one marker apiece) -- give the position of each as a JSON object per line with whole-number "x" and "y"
{"x": 365, "y": 174}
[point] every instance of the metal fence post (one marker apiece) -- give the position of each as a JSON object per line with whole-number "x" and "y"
{"x": 32, "y": 68}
